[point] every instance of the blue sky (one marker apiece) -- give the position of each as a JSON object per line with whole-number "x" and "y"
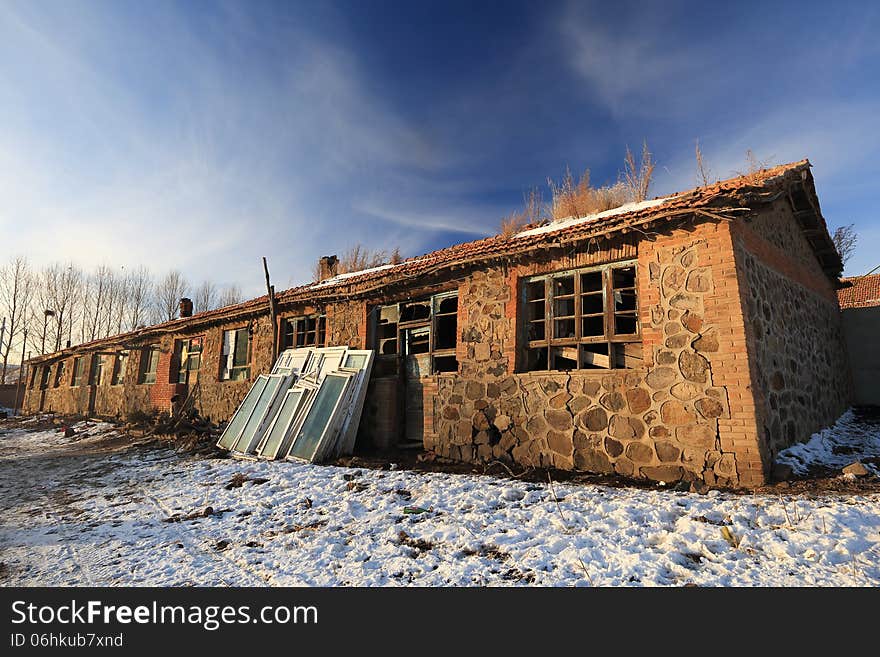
{"x": 204, "y": 135}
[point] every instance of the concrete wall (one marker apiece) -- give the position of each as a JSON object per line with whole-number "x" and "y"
{"x": 861, "y": 327}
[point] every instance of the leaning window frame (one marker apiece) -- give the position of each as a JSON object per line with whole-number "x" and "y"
{"x": 608, "y": 337}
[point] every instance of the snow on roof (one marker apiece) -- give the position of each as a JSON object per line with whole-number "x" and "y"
{"x": 574, "y": 221}
{"x": 351, "y": 274}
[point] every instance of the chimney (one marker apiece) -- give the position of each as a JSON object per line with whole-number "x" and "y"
{"x": 327, "y": 267}
{"x": 186, "y": 307}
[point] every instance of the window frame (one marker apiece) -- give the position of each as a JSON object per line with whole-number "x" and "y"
{"x": 77, "y": 371}
{"x": 405, "y": 328}
{"x": 59, "y": 373}
{"x": 578, "y": 296}
{"x": 183, "y": 371}
{"x": 227, "y": 372}
{"x": 120, "y": 368}
{"x": 147, "y": 375}
{"x": 293, "y": 323}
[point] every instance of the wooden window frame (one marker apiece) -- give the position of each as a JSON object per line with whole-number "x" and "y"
{"x": 183, "y": 371}
{"x": 429, "y": 323}
{"x": 59, "y": 373}
{"x": 76, "y": 374}
{"x": 299, "y": 326}
{"x": 226, "y": 373}
{"x": 609, "y": 314}
{"x": 146, "y": 375}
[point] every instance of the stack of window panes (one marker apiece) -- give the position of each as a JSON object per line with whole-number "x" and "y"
{"x": 308, "y": 408}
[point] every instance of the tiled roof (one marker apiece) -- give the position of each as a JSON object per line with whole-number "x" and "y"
{"x": 708, "y": 201}
{"x": 859, "y": 291}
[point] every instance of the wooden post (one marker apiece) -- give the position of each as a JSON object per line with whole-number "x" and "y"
{"x": 271, "y": 291}
{"x": 18, "y": 385}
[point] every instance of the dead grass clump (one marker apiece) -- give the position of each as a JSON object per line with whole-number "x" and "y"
{"x": 704, "y": 173}
{"x": 637, "y": 175}
{"x": 531, "y": 213}
{"x": 579, "y": 199}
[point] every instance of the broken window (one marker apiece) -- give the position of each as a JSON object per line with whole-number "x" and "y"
{"x": 59, "y": 373}
{"x": 78, "y": 367}
{"x": 188, "y": 358}
{"x": 235, "y": 357}
{"x": 149, "y": 364}
{"x": 427, "y": 328}
{"x": 120, "y": 363}
{"x": 584, "y": 319}
{"x": 97, "y": 370}
{"x": 305, "y": 332}
{"x": 44, "y": 378}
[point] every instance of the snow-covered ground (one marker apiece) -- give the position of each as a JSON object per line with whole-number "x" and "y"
{"x": 73, "y": 514}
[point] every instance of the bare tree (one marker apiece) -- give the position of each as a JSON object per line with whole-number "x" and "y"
{"x": 15, "y": 290}
{"x": 168, "y": 293}
{"x": 230, "y": 296}
{"x": 357, "y": 258}
{"x": 845, "y": 240}
{"x": 704, "y": 174}
{"x": 205, "y": 297}
{"x": 65, "y": 281}
{"x": 637, "y": 176}
{"x": 140, "y": 283}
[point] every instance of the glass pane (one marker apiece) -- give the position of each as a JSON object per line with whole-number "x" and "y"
{"x": 241, "y": 348}
{"x": 535, "y": 290}
{"x": 279, "y": 429}
{"x": 563, "y": 307}
{"x": 624, "y": 300}
{"x": 591, "y": 304}
{"x": 593, "y": 326}
{"x": 625, "y": 324}
{"x": 320, "y": 415}
{"x": 249, "y": 435}
{"x": 591, "y": 281}
{"x": 563, "y": 285}
{"x": 563, "y": 328}
{"x": 233, "y": 429}
{"x": 623, "y": 277}
{"x": 356, "y": 361}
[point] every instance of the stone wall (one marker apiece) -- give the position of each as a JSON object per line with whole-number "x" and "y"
{"x": 346, "y": 324}
{"x": 659, "y": 422}
{"x": 796, "y": 345}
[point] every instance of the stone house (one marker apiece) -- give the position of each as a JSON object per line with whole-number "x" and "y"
{"x": 686, "y": 338}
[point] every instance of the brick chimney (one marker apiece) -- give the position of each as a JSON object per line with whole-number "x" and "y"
{"x": 186, "y": 307}
{"x": 327, "y": 267}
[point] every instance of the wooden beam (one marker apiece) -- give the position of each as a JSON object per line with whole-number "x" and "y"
{"x": 271, "y": 291}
